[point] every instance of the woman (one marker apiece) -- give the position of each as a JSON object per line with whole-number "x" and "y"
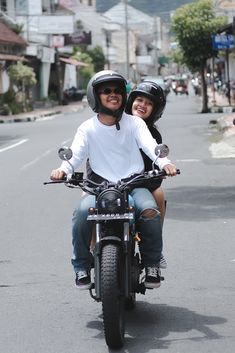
{"x": 148, "y": 102}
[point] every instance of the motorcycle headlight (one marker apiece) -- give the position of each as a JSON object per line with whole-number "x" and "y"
{"x": 110, "y": 201}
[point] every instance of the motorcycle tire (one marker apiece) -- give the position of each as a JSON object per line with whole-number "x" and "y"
{"x": 130, "y": 303}
{"x": 112, "y": 295}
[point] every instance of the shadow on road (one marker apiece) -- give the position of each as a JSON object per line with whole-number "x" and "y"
{"x": 201, "y": 203}
{"x": 149, "y": 324}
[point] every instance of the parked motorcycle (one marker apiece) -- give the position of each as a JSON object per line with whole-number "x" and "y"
{"x": 118, "y": 271}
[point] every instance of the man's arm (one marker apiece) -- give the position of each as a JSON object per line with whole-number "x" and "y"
{"x": 148, "y": 144}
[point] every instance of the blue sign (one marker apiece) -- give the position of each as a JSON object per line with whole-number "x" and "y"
{"x": 222, "y": 41}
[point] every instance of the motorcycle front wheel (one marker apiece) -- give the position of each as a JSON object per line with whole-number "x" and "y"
{"x": 112, "y": 295}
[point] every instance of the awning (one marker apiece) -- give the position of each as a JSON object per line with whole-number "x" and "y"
{"x": 75, "y": 62}
{"x": 10, "y": 57}
{"x": 7, "y": 36}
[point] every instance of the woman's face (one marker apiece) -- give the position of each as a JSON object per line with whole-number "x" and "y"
{"x": 142, "y": 107}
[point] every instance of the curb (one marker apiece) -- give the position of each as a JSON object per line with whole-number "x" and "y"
{"x": 222, "y": 109}
{"x": 27, "y": 118}
{"x": 33, "y": 116}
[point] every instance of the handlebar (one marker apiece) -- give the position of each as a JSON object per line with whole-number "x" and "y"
{"x": 93, "y": 188}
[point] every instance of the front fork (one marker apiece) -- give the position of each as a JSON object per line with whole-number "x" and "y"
{"x": 97, "y": 259}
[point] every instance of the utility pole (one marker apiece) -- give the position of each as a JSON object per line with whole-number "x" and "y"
{"x": 127, "y": 41}
{"x": 155, "y": 24}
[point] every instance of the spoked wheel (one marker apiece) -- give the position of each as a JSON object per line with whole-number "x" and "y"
{"x": 112, "y": 296}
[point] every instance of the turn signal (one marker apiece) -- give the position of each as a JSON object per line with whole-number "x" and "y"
{"x": 91, "y": 210}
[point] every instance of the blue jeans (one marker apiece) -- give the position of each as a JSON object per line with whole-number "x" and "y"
{"x": 150, "y": 229}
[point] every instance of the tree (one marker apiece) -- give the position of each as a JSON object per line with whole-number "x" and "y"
{"x": 193, "y": 25}
{"x": 22, "y": 77}
{"x": 84, "y": 73}
{"x": 98, "y": 58}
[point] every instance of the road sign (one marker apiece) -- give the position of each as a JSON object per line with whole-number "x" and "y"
{"x": 222, "y": 41}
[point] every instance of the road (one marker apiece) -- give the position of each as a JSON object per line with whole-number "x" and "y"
{"x": 42, "y": 312}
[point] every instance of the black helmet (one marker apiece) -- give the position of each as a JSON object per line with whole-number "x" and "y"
{"x": 152, "y": 91}
{"x": 92, "y": 88}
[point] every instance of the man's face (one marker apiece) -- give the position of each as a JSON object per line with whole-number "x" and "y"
{"x": 110, "y": 95}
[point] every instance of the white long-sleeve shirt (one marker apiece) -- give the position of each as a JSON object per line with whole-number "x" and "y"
{"x": 113, "y": 154}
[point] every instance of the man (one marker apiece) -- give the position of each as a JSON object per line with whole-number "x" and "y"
{"x": 112, "y": 140}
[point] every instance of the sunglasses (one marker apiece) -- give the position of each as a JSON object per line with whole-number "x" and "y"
{"x": 108, "y": 90}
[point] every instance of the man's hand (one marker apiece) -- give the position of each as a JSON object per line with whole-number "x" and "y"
{"x": 170, "y": 169}
{"x": 57, "y": 174}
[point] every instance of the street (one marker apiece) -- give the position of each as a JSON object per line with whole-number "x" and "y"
{"x": 42, "y": 311}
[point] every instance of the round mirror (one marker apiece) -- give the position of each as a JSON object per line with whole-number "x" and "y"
{"x": 162, "y": 150}
{"x": 65, "y": 153}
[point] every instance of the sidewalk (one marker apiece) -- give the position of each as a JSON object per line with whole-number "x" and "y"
{"x": 41, "y": 113}
{"x": 225, "y": 148}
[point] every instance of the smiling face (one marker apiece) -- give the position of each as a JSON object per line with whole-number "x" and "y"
{"x": 110, "y": 95}
{"x": 142, "y": 107}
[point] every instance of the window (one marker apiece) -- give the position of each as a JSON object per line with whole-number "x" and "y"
{"x": 3, "y": 5}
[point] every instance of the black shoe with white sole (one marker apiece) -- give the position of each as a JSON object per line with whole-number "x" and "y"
{"x": 83, "y": 280}
{"x": 153, "y": 277}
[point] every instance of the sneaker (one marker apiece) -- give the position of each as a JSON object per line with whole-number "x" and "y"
{"x": 153, "y": 277}
{"x": 83, "y": 280}
{"x": 163, "y": 263}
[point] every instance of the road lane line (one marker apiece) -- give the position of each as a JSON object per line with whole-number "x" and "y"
{"x": 14, "y": 145}
{"x": 188, "y": 160}
{"x": 65, "y": 142}
{"x": 34, "y": 161}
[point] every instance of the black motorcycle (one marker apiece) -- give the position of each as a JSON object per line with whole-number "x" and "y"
{"x": 118, "y": 271}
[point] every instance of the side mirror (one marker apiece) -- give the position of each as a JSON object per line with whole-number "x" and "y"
{"x": 162, "y": 151}
{"x": 65, "y": 153}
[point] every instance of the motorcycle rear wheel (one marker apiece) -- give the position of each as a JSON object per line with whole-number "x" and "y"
{"x": 112, "y": 295}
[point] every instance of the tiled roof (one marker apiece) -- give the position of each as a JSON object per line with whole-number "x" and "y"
{"x": 7, "y": 36}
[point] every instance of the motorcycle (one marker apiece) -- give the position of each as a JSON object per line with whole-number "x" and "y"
{"x": 118, "y": 271}
{"x": 181, "y": 87}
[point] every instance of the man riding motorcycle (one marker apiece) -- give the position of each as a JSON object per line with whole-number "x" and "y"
{"x": 112, "y": 141}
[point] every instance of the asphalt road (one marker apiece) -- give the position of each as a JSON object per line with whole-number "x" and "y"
{"x": 40, "y": 309}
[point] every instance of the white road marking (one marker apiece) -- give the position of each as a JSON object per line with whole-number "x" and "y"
{"x": 34, "y": 161}
{"x": 14, "y": 145}
{"x": 188, "y": 160}
{"x": 45, "y": 118}
{"x": 64, "y": 143}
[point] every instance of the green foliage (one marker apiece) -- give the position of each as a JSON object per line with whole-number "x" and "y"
{"x": 22, "y": 75}
{"x": 193, "y": 25}
{"x": 176, "y": 56}
{"x": 98, "y": 58}
{"x": 85, "y": 73}
{"x": 17, "y": 28}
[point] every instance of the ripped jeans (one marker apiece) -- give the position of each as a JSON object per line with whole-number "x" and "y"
{"x": 149, "y": 226}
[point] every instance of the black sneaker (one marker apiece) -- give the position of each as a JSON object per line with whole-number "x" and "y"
{"x": 83, "y": 280}
{"x": 153, "y": 277}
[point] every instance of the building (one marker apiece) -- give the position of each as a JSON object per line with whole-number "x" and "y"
{"x": 12, "y": 48}
{"x": 39, "y": 22}
{"x": 148, "y": 38}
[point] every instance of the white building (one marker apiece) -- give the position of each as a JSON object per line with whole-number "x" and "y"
{"x": 147, "y": 39}
{"x": 120, "y": 27}
{"x": 39, "y": 23}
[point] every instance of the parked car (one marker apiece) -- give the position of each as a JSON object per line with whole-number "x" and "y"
{"x": 73, "y": 94}
{"x": 158, "y": 80}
